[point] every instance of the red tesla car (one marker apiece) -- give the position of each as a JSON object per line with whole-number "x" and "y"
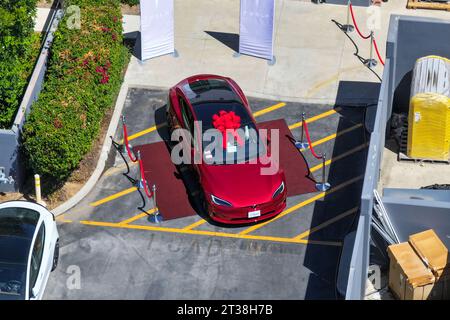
{"x": 235, "y": 190}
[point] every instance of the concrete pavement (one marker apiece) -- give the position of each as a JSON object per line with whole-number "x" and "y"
{"x": 141, "y": 260}
{"x": 312, "y": 54}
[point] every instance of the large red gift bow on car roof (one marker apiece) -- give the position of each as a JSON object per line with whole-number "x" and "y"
{"x": 227, "y": 121}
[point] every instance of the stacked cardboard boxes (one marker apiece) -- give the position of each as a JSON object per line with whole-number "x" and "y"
{"x": 420, "y": 268}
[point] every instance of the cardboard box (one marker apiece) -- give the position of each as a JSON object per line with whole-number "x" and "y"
{"x": 409, "y": 278}
{"x": 431, "y": 250}
{"x": 435, "y": 256}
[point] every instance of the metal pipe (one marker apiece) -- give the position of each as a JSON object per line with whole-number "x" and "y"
{"x": 323, "y": 168}
{"x": 301, "y": 144}
{"x": 140, "y": 182}
{"x": 348, "y": 27}
{"x": 371, "y": 62}
{"x": 154, "y": 200}
{"x": 303, "y": 127}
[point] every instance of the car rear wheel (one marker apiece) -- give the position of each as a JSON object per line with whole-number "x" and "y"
{"x": 55, "y": 255}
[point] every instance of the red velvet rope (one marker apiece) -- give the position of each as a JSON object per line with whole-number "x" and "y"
{"x": 377, "y": 51}
{"x": 144, "y": 182}
{"x": 305, "y": 125}
{"x": 125, "y": 141}
{"x": 365, "y": 37}
{"x": 356, "y": 26}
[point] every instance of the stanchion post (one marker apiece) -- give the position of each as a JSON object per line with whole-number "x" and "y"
{"x": 139, "y": 182}
{"x": 302, "y": 144}
{"x": 324, "y": 186}
{"x": 371, "y": 62}
{"x": 123, "y": 147}
{"x": 348, "y": 27}
{"x": 156, "y": 217}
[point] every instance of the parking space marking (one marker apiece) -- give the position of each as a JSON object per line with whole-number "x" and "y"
{"x": 315, "y": 118}
{"x": 209, "y": 233}
{"x": 269, "y": 109}
{"x": 195, "y": 224}
{"x": 61, "y": 218}
{"x": 146, "y": 131}
{"x": 302, "y": 204}
{"x": 112, "y": 197}
{"x": 308, "y": 232}
{"x": 334, "y": 136}
{"x": 137, "y": 217}
{"x": 341, "y": 156}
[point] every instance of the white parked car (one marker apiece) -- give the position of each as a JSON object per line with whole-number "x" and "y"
{"x": 29, "y": 250}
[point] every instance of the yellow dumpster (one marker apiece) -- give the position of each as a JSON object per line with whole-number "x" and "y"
{"x": 429, "y": 110}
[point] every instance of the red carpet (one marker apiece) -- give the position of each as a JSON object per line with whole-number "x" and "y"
{"x": 171, "y": 195}
{"x": 298, "y": 178}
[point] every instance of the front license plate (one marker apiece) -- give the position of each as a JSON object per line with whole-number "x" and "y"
{"x": 254, "y": 214}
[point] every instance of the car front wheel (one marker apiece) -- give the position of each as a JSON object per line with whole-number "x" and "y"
{"x": 55, "y": 255}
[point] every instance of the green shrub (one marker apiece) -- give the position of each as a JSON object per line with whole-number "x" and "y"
{"x": 83, "y": 79}
{"x": 17, "y": 54}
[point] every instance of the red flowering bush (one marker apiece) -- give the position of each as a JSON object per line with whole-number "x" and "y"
{"x": 84, "y": 75}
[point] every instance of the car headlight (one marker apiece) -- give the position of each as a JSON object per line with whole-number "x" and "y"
{"x": 279, "y": 190}
{"x": 220, "y": 202}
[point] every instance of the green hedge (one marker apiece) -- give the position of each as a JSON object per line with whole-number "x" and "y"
{"x": 83, "y": 80}
{"x": 17, "y": 54}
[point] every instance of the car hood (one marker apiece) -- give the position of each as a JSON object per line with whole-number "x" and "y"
{"x": 240, "y": 184}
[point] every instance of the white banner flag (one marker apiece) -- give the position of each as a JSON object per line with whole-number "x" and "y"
{"x": 256, "y": 28}
{"x": 157, "y": 28}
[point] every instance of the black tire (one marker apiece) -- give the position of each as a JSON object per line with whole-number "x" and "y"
{"x": 55, "y": 255}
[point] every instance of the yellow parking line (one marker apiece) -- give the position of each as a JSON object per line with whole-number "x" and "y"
{"x": 144, "y": 132}
{"x": 315, "y": 118}
{"x": 195, "y": 224}
{"x": 339, "y": 157}
{"x": 61, "y": 218}
{"x": 137, "y": 217}
{"x": 269, "y": 109}
{"x": 208, "y": 233}
{"x": 325, "y": 224}
{"x": 302, "y": 204}
{"x": 334, "y": 135}
{"x": 113, "y": 197}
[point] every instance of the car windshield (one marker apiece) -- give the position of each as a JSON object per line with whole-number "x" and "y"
{"x": 17, "y": 227}
{"x": 209, "y": 98}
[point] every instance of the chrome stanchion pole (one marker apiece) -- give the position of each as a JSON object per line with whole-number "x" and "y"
{"x": 348, "y": 27}
{"x": 139, "y": 183}
{"x": 302, "y": 144}
{"x": 156, "y": 217}
{"x": 371, "y": 62}
{"x": 324, "y": 186}
{"x": 123, "y": 147}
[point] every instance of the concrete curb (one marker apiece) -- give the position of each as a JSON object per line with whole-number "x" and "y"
{"x": 103, "y": 155}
